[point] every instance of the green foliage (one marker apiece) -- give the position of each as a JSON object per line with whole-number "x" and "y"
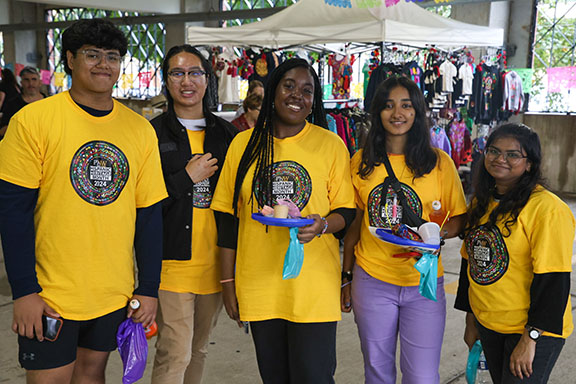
{"x": 442, "y": 10}
{"x": 554, "y": 43}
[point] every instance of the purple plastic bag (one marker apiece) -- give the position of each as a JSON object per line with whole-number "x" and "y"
{"x": 133, "y": 349}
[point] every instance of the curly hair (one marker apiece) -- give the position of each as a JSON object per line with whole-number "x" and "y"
{"x": 420, "y": 156}
{"x": 97, "y": 32}
{"x": 260, "y": 147}
{"x": 512, "y": 202}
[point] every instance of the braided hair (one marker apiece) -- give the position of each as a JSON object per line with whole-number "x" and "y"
{"x": 260, "y": 147}
{"x": 517, "y": 197}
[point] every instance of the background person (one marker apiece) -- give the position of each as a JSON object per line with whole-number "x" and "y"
{"x": 10, "y": 98}
{"x": 516, "y": 261}
{"x": 193, "y": 143}
{"x": 30, "y": 79}
{"x": 31, "y": 84}
{"x": 385, "y": 290}
{"x": 80, "y": 186}
{"x": 254, "y": 87}
{"x": 293, "y": 321}
{"x": 247, "y": 120}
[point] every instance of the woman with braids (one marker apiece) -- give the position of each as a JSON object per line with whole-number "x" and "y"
{"x": 385, "y": 290}
{"x": 516, "y": 261}
{"x": 293, "y": 321}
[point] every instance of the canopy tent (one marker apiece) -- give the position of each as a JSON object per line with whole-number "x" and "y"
{"x": 314, "y": 22}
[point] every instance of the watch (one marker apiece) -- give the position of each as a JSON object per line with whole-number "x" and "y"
{"x": 534, "y": 334}
{"x": 347, "y": 275}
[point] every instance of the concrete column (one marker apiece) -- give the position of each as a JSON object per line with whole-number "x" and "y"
{"x": 519, "y": 32}
{"x": 176, "y": 33}
{"x": 23, "y": 47}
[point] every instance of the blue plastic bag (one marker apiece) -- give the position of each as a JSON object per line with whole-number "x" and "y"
{"x": 428, "y": 268}
{"x": 472, "y": 364}
{"x": 294, "y": 257}
{"x": 133, "y": 349}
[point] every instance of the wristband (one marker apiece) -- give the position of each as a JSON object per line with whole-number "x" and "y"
{"x": 348, "y": 275}
{"x": 226, "y": 281}
{"x": 325, "y": 227}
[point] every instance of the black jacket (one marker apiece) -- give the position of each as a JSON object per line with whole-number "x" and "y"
{"x": 175, "y": 154}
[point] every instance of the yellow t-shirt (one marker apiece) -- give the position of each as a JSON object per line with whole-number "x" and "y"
{"x": 92, "y": 173}
{"x": 376, "y": 256}
{"x": 200, "y": 274}
{"x": 312, "y": 168}
{"x": 501, "y": 268}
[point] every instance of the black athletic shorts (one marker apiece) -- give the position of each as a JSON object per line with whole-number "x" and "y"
{"x": 98, "y": 334}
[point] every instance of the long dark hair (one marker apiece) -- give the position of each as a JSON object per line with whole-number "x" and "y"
{"x": 260, "y": 147}
{"x": 206, "y": 67}
{"x": 516, "y": 198}
{"x": 8, "y": 79}
{"x": 420, "y": 156}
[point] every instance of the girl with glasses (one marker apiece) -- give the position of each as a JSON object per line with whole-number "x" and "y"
{"x": 193, "y": 143}
{"x": 516, "y": 261}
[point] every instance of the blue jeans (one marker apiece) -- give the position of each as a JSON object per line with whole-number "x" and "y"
{"x": 499, "y": 346}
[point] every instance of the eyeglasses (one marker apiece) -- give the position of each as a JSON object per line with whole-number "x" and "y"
{"x": 178, "y": 76}
{"x": 492, "y": 153}
{"x": 94, "y": 57}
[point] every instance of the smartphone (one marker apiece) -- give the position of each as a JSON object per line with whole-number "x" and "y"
{"x": 51, "y": 327}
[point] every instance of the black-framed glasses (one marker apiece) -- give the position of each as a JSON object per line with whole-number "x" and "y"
{"x": 194, "y": 74}
{"x": 94, "y": 57}
{"x": 493, "y": 153}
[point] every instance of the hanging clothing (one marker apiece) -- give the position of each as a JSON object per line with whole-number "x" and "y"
{"x": 513, "y": 94}
{"x": 487, "y": 94}
{"x": 341, "y": 75}
{"x": 448, "y": 72}
{"x": 440, "y": 140}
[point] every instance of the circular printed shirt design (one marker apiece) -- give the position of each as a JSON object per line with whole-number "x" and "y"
{"x": 383, "y": 213}
{"x": 98, "y": 172}
{"x": 202, "y": 195}
{"x": 290, "y": 180}
{"x": 488, "y": 256}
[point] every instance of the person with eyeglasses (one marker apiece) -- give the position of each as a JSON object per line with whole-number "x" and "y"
{"x": 80, "y": 189}
{"x": 516, "y": 261}
{"x": 193, "y": 143}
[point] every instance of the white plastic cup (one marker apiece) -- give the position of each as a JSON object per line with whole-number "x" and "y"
{"x": 430, "y": 233}
{"x": 280, "y": 211}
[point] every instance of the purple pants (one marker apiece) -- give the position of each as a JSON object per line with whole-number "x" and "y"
{"x": 382, "y": 312}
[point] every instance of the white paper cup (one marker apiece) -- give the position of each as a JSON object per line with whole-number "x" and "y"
{"x": 280, "y": 211}
{"x": 430, "y": 233}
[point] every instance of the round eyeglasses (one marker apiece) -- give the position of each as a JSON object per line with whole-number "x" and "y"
{"x": 94, "y": 57}
{"x": 194, "y": 74}
{"x": 492, "y": 153}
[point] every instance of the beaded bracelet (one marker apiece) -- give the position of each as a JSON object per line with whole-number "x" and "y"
{"x": 325, "y": 227}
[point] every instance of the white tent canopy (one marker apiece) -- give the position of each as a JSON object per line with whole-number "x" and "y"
{"x": 314, "y": 22}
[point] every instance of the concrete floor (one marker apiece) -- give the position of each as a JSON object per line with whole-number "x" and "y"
{"x": 231, "y": 354}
